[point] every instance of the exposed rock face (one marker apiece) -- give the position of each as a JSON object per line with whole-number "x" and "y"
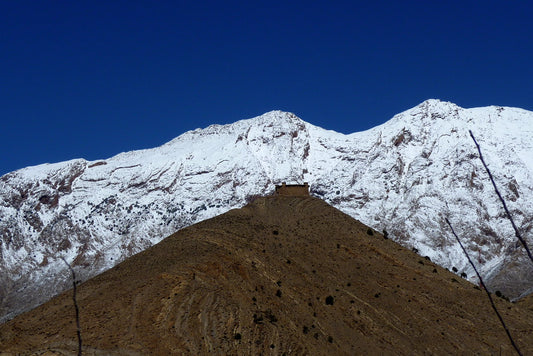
{"x": 405, "y": 176}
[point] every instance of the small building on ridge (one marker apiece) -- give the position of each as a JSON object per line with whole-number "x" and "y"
{"x": 292, "y": 189}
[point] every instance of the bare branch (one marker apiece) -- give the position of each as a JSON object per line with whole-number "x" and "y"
{"x": 517, "y": 233}
{"x": 74, "y": 282}
{"x": 485, "y": 288}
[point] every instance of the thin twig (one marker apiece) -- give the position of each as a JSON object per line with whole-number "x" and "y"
{"x": 74, "y": 282}
{"x": 485, "y": 288}
{"x": 517, "y": 233}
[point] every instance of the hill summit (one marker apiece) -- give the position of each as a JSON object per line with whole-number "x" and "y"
{"x": 285, "y": 275}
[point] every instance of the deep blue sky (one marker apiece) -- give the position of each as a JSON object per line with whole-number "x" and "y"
{"x": 94, "y": 78}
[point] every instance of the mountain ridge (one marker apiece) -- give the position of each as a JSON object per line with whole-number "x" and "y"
{"x": 406, "y": 176}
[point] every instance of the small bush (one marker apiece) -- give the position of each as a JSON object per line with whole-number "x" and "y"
{"x": 330, "y": 300}
{"x": 271, "y": 317}
{"x": 258, "y": 319}
{"x": 370, "y": 232}
{"x": 501, "y": 295}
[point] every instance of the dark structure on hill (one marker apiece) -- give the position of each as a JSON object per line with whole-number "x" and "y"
{"x": 292, "y": 189}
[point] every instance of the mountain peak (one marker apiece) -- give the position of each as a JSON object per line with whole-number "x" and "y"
{"x": 276, "y": 118}
{"x": 273, "y": 119}
{"x": 280, "y": 114}
{"x": 435, "y": 103}
{"x": 435, "y": 107}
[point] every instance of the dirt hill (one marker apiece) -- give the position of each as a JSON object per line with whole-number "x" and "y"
{"x": 281, "y": 276}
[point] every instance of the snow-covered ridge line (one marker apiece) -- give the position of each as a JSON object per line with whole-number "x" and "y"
{"x": 405, "y": 176}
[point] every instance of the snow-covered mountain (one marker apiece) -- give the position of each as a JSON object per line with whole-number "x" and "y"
{"x": 405, "y": 176}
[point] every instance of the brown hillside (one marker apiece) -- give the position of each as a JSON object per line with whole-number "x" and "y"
{"x": 284, "y": 275}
